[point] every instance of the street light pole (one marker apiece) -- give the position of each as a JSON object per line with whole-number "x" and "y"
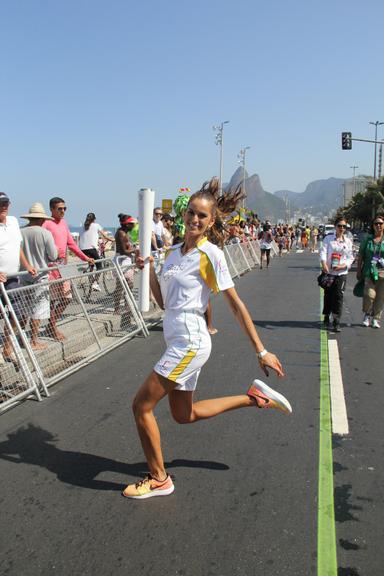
{"x": 241, "y": 156}
{"x": 220, "y": 142}
{"x": 354, "y": 179}
{"x": 375, "y": 124}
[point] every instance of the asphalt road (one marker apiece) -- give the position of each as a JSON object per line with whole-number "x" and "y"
{"x": 246, "y": 482}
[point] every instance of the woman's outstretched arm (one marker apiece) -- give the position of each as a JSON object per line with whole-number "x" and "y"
{"x": 153, "y": 281}
{"x": 268, "y": 360}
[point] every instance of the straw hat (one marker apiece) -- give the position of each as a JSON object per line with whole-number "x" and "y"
{"x": 36, "y": 211}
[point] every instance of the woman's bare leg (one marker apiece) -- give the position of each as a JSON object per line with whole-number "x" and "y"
{"x": 185, "y": 411}
{"x": 146, "y": 399}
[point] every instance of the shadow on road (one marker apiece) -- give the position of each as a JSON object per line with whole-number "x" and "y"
{"x": 315, "y": 268}
{"x": 156, "y": 328}
{"x": 34, "y": 445}
{"x": 287, "y": 324}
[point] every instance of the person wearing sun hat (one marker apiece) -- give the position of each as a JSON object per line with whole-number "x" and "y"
{"x": 40, "y": 250}
{"x": 133, "y": 229}
{"x": 38, "y": 243}
{"x": 131, "y": 226}
{"x": 124, "y": 252}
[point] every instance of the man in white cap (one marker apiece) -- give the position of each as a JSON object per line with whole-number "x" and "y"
{"x": 11, "y": 255}
{"x": 40, "y": 250}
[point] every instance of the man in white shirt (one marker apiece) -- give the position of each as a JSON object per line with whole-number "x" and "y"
{"x": 157, "y": 230}
{"x": 11, "y": 255}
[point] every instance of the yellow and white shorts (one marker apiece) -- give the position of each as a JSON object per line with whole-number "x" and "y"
{"x": 188, "y": 348}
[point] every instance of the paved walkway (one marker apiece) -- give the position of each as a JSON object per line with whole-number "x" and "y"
{"x": 246, "y": 498}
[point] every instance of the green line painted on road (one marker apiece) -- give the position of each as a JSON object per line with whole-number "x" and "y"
{"x": 326, "y": 530}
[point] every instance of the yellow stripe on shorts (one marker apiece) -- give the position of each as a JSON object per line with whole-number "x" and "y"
{"x": 176, "y": 372}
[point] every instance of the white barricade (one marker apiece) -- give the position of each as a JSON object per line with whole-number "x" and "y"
{"x": 275, "y": 249}
{"x": 96, "y": 312}
{"x": 16, "y": 379}
{"x": 251, "y": 253}
{"x": 236, "y": 259}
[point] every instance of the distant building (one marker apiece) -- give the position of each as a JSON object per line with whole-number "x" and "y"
{"x": 353, "y": 186}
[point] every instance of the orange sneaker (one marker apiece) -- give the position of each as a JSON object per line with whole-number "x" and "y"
{"x": 149, "y": 487}
{"x": 266, "y": 397}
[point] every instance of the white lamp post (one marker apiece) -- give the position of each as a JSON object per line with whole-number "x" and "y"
{"x": 354, "y": 179}
{"x": 220, "y": 142}
{"x": 146, "y": 205}
{"x": 375, "y": 124}
{"x": 241, "y": 156}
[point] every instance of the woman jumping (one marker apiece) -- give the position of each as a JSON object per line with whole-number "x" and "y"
{"x": 191, "y": 270}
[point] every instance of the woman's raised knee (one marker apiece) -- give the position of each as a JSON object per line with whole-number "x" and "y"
{"x": 182, "y": 418}
{"x": 137, "y": 407}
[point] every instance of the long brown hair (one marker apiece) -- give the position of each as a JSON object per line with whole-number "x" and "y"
{"x": 222, "y": 206}
{"x": 89, "y": 220}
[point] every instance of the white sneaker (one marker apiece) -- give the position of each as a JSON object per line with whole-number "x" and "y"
{"x": 375, "y": 323}
{"x": 266, "y": 397}
{"x": 367, "y": 320}
{"x": 96, "y": 287}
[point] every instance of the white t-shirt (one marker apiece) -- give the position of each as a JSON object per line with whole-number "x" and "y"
{"x": 266, "y": 240}
{"x": 158, "y": 228}
{"x": 90, "y": 238}
{"x": 186, "y": 281}
{"x": 10, "y": 244}
{"x": 337, "y": 252}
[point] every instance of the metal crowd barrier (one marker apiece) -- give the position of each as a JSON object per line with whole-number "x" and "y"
{"x": 98, "y": 312}
{"x": 244, "y": 256}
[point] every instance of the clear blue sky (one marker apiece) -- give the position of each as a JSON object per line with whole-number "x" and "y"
{"x": 100, "y": 98}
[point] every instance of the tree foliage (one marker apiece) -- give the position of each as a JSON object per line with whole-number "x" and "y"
{"x": 364, "y": 206}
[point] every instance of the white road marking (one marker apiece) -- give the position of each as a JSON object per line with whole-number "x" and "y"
{"x": 338, "y": 407}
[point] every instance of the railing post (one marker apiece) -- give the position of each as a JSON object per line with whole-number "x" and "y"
{"x": 244, "y": 256}
{"x": 129, "y": 297}
{"x": 227, "y": 252}
{"x": 257, "y": 259}
{"x": 79, "y": 299}
{"x": 16, "y": 347}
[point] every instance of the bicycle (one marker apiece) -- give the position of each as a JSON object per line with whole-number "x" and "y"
{"x": 90, "y": 283}
{"x": 108, "y": 274}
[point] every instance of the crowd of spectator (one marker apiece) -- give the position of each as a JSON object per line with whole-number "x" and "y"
{"x": 45, "y": 241}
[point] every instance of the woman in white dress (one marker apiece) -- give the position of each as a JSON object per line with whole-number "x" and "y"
{"x": 191, "y": 270}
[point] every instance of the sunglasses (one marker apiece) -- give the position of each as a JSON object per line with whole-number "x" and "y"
{"x": 378, "y": 223}
{"x": 4, "y": 204}
{"x": 61, "y": 209}
{"x": 158, "y": 213}
{"x": 341, "y": 225}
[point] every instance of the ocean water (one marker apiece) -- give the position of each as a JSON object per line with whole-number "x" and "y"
{"x": 78, "y": 229}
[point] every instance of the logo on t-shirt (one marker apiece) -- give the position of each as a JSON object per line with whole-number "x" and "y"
{"x": 171, "y": 270}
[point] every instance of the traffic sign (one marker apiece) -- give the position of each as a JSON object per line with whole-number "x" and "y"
{"x": 166, "y": 205}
